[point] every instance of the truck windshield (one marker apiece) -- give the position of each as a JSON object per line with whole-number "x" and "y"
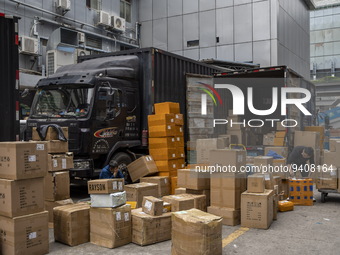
{"x": 62, "y": 102}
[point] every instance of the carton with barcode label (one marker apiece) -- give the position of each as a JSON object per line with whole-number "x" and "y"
{"x": 105, "y": 186}
{"x": 141, "y": 167}
{"x": 152, "y": 206}
{"x": 110, "y": 227}
{"x": 22, "y": 160}
{"x": 59, "y": 162}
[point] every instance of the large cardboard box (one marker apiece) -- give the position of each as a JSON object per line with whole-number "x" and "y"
{"x": 162, "y": 143}
{"x": 166, "y": 108}
{"x": 230, "y": 216}
{"x": 59, "y": 162}
{"x": 263, "y": 161}
{"x": 279, "y": 141}
{"x": 49, "y": 205}
{"x": 200, "y": 201}
{"x": 72, "y": 224}
{"x": 162, "y": 131}
{"x": 173, "y": 184}
{"x": 257, "y": 209}
{"x": 179, "y": 141}
{"x": 226, "y": 190}
{"x": 147, "y": 229}
{"x": 21, "y": 197}
{"x": 169, "y": 174}
{"x": 105, "y": 186}
{"x": 110, "y": 227}
{"x": 57, "y": 186}
{"x": 283, "y": 151}
{"x": 136, "y": 192}
{"x": 268, "y": 139}
{"x": 108, "y": 200}
{"x": 167, "y": 165}
{"x": 204, "y": 146}
{"x": 161, "y": 119}
{"x": 25, "y": 234}
{"x": 179, "y": 202}
{"x": 163, "y": 183}
{"x": 334, "y": 145}
{"x": 56, "y": 146}
{"x": 141, "y": 167}
{"x": 179, "y": 131}
{"x": 163, "y": 154}
{"x": 256, "y": 184}
{"x": 225, "y": 158}
{"x": 180, "y": 153}
{"x": 307, "y": 138}
{"x": 179, "y": 120}
{"x": 196, "y": 232}
{"x": 23, "y": 160}
{"x": 205, "y": 192}
{"x": 51, "y": 134}
{"x": 331, "y": 159}
{"x": 284, "y": 189}
{"x": 152, "y": 206}
{"x": 192, "y": 179}
{"x": 180, "y": 191}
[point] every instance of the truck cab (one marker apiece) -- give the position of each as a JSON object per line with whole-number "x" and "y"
{"x": 98, "y": 100}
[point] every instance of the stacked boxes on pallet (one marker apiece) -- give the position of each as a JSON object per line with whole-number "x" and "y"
{"x": 23, "y": 221}
{"x": 166, "y": 138}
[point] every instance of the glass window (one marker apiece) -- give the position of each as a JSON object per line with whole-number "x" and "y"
{"x": 94, "y": 4}
{"x": 125, "y": 10}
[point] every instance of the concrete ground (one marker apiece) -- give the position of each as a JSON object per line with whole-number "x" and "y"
{"x": 306, "y": 230}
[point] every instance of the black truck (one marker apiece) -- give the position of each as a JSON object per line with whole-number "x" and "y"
{"x": 105, "y": 99}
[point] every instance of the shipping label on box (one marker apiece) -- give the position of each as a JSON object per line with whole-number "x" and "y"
{"x": 105, "y": 186}
{"x": 23, "y": 160}
{"x": 141, "y": 167}
{"x": 57, "y": 186}
{"x": 59, "y": 162}
{"x": 21, "y": 197}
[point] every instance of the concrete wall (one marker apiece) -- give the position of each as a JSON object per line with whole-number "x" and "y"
{"x": 236, "y": 30}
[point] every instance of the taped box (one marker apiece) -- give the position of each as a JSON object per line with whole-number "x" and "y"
{"x": 59, "y": 162}
{"x": 72, "y": 224}
{"x": 57, "y": 146}
{"x": 141, "y": 167}
{"x": 179, "y": 202}
{"x": 57, "y": 186}
{"x": 152, "y": 206}
{"x": 147, "y": 229}
{"x": 105, "y": 186}
{"x": 161, "y": 119}
{"x": 166, "y": 108}
{"x": 23, "y": 160}
{"x": 136, "y": 192}
{"x": 163, "y": 183}
{"x": 108, "y": 200}
{"x": 196, "y": 232}
{"x": 192, "y": 179}
{"x": 230, "y": 216}
{"x": 110, "y": 227}
{"x": 49, "y": 205}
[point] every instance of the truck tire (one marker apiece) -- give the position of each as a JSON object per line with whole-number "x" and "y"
{"x": 123, "y": 160}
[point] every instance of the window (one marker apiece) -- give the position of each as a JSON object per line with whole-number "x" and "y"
{"x": 125, "y": 10}
{"x": 94, "y": 4}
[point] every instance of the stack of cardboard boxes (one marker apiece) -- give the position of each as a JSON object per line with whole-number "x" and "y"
{"x": 23, "y": 221}
{"x": 309, "y": 139}
{"x": 141, "y": 167}
{"x": 110, "y": 216}
{"x": 236, "y": 129}
{"x": 274, "y": 138}
{"x": 226, "y": 186}
{"x": 166, "y": 139}
{"x": 57, "y": 179}
{"x": 151, "y": 223}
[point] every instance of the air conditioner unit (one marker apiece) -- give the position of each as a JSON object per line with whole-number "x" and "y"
{"x": 81, "y": 37}
{"x": 104, "y": 19}
{"x": 118, "y": 23}
{"x": 64, "y": 4}
{"x": 56, "y": 59}
{"x": 79, "y": 53}
{"x": 29, "y": 45}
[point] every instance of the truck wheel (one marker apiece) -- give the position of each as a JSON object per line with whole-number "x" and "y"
{"x": 123, "y": 160}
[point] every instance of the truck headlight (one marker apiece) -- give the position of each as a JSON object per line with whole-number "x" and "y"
{"x": 82, "y": 164}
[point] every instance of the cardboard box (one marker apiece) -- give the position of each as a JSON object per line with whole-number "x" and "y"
{"x": 21, "y": 197}
{"x": 256, "y": 184}
{"x": 237, "y": 136}
{"x": 168, "y": 174}
{"x": 147, "y": 229}
{"x": 179, "y": 202}
{"x": 307, "y": 138}
{"x": 278, "y": 141}
{"x": 108, "y": 200}
{"x": 191, "y": 179}
{"x": 167, "y": 107}
{"x": 161, "y": 119}
{"x": 334, "y": 145}
{"x": 331, "y": 159}
{"x": 225, "y": 158}
{"x": 200, "y": 201}
{"x": 57, "y": 186}
{"x": 105, "y": 186}
{"x": 152, "y": 206}
{"x": 180, "y": 163}
{"x": 24, "y": 235}
{"x": 59, "y": 162}
{"x": 226, "y": 190}
{"x": 163, "y": 154}
{"x": 280, "y": 134}
{"x": 72, "y": 224}
{"x": 284, "y": 189}
{"x": 174, "y": 184}
{"x": 279, "y": 127}
{"x": 166, "y": 165}
{"x": 136, "y": 192}
{"x": 204, "y": 228}
{"x": 179, "y": 131}
{"x": 163, "y": 183}
{"x": 162, "y": 131}
{"x": 278, "y": 168}
{"x": 180, "y": 191}
{"x": 179, "y": 141}
{"x": 162, "y": 143}
{"x": 179, "y": 120}
{"x": 205, "y": 192}
{"x": 49, "y": 205}
{"x": 283, "y": 151}
{"x": 141, "y": 167}
{"x": 230, "y": 216}
{"x": 180, "y": 153}
{"x": 22, "y": 160}
{"x": 56, "y": 146}
{"x": 327, "y": 179}
{"x": 257, "y": 209}
{"x": 110, "y": 227}
{"x": 301, "y": 191}
{"x": 204, "y": 146}
{"x": 51, "y": 134}
{"x": 268, "y": 139}
{"x": 263, "y": 161}
{"x": 275, "y": 206}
